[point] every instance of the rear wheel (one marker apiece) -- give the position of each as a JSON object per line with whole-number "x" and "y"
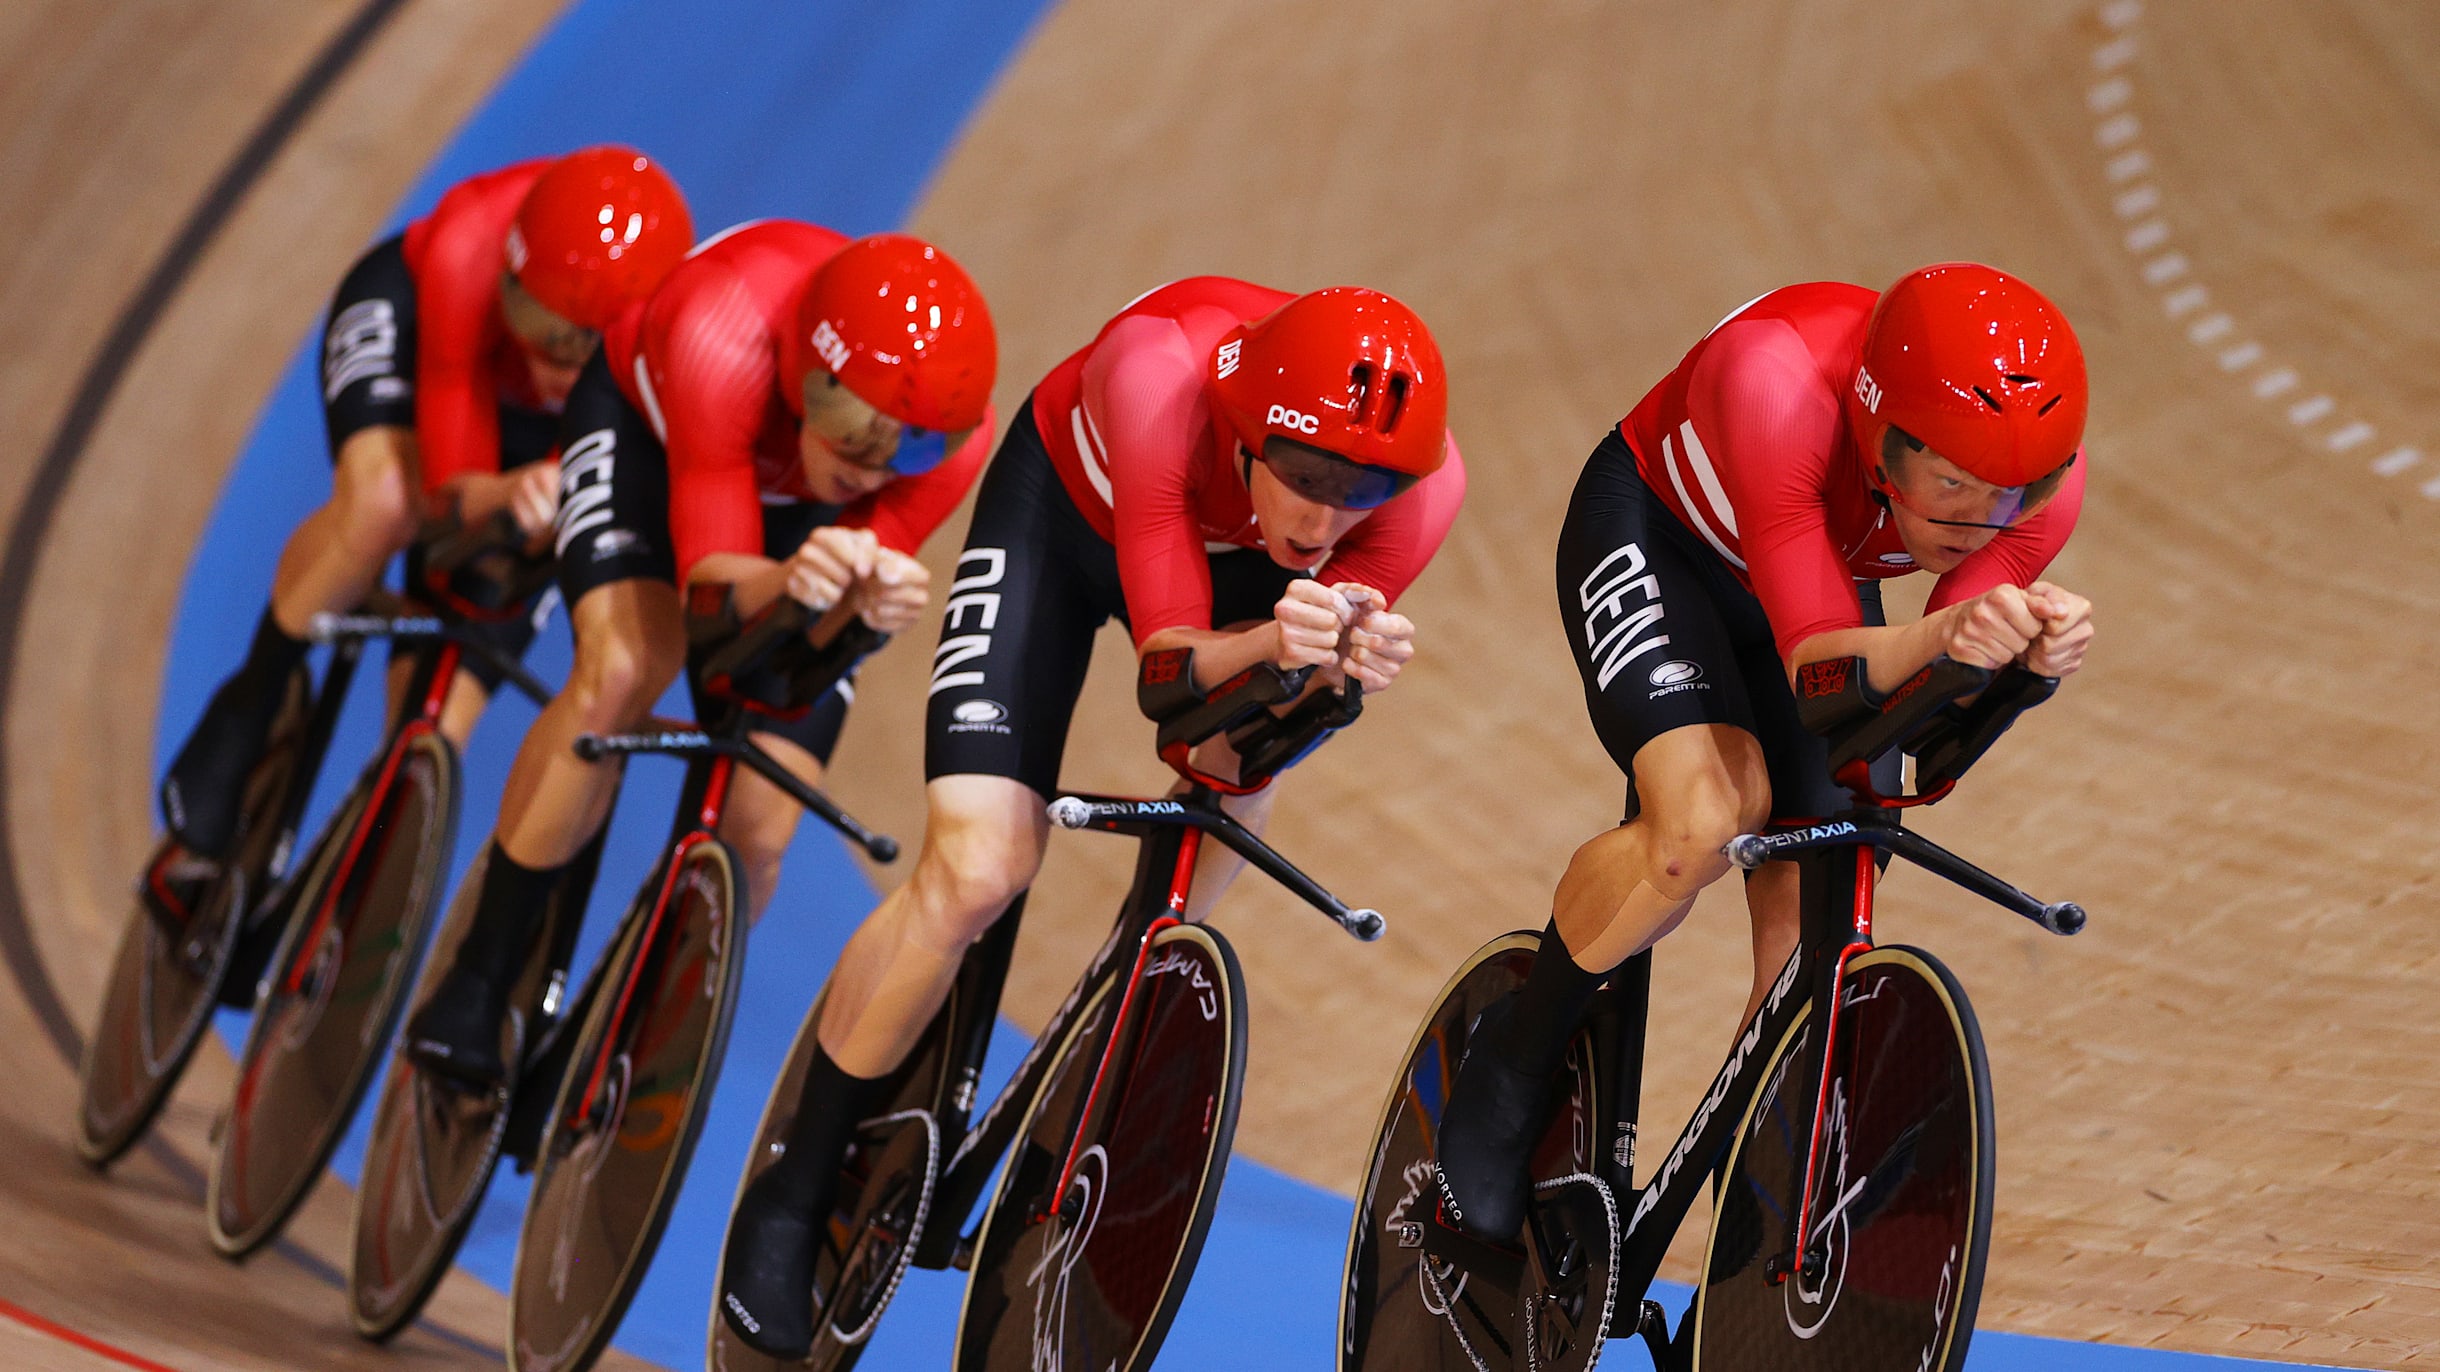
{"x": 1903, "y": 1217}
{"x": 1087, "y": 1277}
{"x": 165, "y": 981}
{"x": 333, "y": 993}
{"x": 628, "y": 1111}
{"x": 883, "y": 1204}
{"x": 1401, "y": 1308}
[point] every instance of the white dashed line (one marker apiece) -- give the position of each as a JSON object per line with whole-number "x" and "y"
{"x": 2312, "y": 411}
{"x": 2149, "y": 240}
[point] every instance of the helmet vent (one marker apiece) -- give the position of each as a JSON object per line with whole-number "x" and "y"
{"x": 1987, "y": 399}
{"x": 1399, "y": 384}
{"x": 1359, "y": 392}
{"x": 2048, "y": 406}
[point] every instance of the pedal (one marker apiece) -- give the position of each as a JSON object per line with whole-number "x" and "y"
{"x": 961, "y": 1258}
{"x": 1410, "y": 1234}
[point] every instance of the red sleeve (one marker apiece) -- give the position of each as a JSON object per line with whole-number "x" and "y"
{"x": 905, "y": 512}
{"x": 457, "y": 416}
{"x": 1396, "y": 542}
{"x": 707, "y": 371}
{"x": 1143, "y": 393}
{"x": 2019, "y": 555}
{"x": 1770, "y": 429}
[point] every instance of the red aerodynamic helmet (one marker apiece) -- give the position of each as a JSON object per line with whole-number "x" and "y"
{"x": 901, "y": 325}
{"x": 1977, "y": 366}
{"x": 1347, "y": 370}
{"x": 597, "y": 231}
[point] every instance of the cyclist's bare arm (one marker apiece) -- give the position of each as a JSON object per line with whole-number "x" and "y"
{"x": 1308, "y": 628}
{"x": 840, "y": 570}
{"x": 2044, "y": 626}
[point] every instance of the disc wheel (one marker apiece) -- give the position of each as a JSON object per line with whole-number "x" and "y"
{"x": 626, "y": 1117}
{"x": 867, "y": 1231}
{"x": 163, "y": 985}
{"x": 1903, "y": 1216}
{"x": 333, "y": 993}
{"x": 433, "y": 1149}
{"x": 1086, "y": 1278}
{"x": 1399, "y": 1307}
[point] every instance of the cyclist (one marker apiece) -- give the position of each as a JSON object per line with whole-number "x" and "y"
{"x": 791, "y": 414}
{"x": 1252, "y": 476}
{"x": 1727, "y": 538}
{"x": 448, "y": 353}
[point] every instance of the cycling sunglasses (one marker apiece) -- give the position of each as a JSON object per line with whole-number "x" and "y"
{"x": 1326, "y": 478}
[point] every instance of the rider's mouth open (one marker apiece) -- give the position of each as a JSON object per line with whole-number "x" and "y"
{"x": 1308, "y": 551}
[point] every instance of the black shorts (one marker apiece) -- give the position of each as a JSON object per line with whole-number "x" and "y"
{"x": 1033, "y": 586}
{"x": 368, "y": 361}
{"x": 614, "y": 526}
{"x": 1664, "y": 635}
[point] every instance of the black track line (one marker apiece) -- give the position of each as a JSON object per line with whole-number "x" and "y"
{"x": 94, "y": 391}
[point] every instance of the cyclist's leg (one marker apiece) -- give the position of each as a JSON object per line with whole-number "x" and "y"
{"x": 1666, "y": 697}
{"x": 331, "y": 559}
{"x": 1032, "y": 586}
{"x": 616, "y": 575}
{"x": 761, "y": 818}
{"x": 1801, "y": 788}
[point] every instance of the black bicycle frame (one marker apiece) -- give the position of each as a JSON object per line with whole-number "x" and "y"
{"x": 1170, "y": 833}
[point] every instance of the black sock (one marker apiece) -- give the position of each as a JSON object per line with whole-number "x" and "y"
{"x": 827, "y": 1113}
{"x": 1543, "y": 1014}
{"x": 273, "y": 654}
{"x": 507, "y": 915}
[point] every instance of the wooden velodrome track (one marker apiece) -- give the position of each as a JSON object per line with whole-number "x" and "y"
{"x": 2217, "y": 1106}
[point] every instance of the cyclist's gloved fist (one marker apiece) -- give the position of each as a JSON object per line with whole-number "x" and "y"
{"x": 2067, "y": 630}
{"x": 1993, "y": 628}
{"x": 1311, "y": 618}
{"x": 1379, "y": 643}
{"x": 828, "y": 564}
{"x": 533, "y": 497}
{"x": 893, "y": 597}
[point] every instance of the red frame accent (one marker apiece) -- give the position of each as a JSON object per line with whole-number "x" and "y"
{"x": 1179, "y": 756}
{"x": 715, "y": 795}
{"x": 1181, "y": 886}
{"x": 426, "y": 721}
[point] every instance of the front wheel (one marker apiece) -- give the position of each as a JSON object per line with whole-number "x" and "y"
{"x": 164, "y": 983}
{"x": 1085, "y": 1276}
{"x": 1400, "y": 1308}
{"x": 628, "y": 1112}
{"x": 1902, "y": 1219}
{"x": 334, "y": 991}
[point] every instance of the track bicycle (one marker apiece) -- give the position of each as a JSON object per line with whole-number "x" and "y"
{"x": 1851, "y": 1189}
{"x": 1117, "y": 1125}
{"x": 610, "y": 1091}
{"x": 202, "y": 931}
{"x": 355, "y": 919}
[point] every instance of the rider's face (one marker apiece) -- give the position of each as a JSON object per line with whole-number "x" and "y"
{"x": 1937, "y": 547}
{"x": 1296, "y": 532}
{"x": 554, "y": 349}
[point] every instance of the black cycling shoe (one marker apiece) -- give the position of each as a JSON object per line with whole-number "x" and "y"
{"x": 766, "y": 1270}
{"x": 1496, "y": 1113}
{"x": 456, "y": 1035}
{"x": 203, "y": 793}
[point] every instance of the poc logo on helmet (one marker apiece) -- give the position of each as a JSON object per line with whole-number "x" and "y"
{"x": 1868, "y": 391}
{"x": 1294, "y": 419}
